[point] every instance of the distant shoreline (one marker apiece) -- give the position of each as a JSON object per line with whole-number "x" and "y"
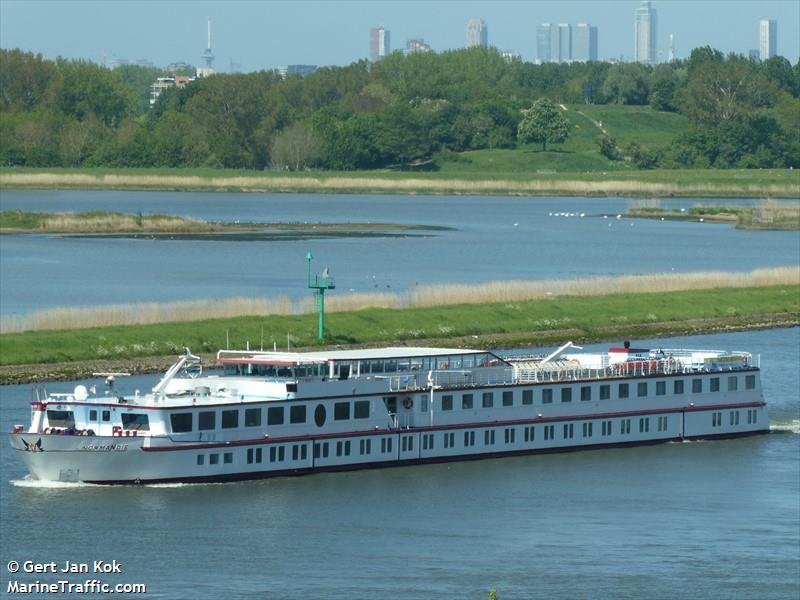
{"x": 710, "y": 184}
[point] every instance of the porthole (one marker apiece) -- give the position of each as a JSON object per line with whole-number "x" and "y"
{"x": 319, "y": 415}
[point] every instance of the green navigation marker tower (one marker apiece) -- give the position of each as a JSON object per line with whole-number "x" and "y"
{"x": 320, "y": 283}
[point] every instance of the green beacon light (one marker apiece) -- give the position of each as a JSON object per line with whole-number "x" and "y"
{"x": 320, "y": 283}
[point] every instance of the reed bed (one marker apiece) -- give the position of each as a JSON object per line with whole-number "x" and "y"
{"x": 770, "y": 212}
{"x": 144, "y": 313}
{"x": 405, "y": 184}
{"x": 355, "y": 301}
{"x": 119, "y": 223}
{"x": 424, "y": 296}
{"x": 510, "y": 291}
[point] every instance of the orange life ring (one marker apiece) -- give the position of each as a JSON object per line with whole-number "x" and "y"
{"x": 408, "y": 403}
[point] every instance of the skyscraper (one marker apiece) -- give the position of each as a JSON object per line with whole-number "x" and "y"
{"x": 561, "y": 44}
{"x": 378, "y": 44}
{"x": 477, "y": 33}
{"x": 543, "y": 34}
{"x": 645, "y": 33}
{"x": 768, "y": 38}
{"x": 584, "y": 43}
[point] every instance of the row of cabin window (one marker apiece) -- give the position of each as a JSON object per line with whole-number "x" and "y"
{"x": 207, "y": 420}
{"x": 256, "y": 455}
{"x": 377, "y": 366}
{"x": 623, "y": 391}
{"x": 733, "y": 417}
{"x": 278, "y": 371}
{"x": 343, "y": 448}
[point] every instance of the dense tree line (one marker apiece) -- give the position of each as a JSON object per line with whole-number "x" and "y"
{"x": 400, "y": 112}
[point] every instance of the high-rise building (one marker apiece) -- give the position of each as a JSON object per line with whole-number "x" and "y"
{"x": 561, "y": 43}
{"x": 417, "y": 45}
{"x": 379, "y": 46}
{"x": 543, "y": 35}
{"x": 768, "y": 38}
{"x": 645, "y": 33}
{"x": 477, "y": 33}
{"x": 584, "y": 43}
{"x": 671, "y": 51}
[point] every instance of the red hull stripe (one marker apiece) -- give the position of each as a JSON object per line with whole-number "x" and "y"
{"x": 426, "y": 429}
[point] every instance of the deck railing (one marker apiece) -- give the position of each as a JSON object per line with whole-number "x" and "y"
{"x": 514, "y": 375}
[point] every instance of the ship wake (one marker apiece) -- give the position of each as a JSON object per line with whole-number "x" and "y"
{"x": 792, "y": 426}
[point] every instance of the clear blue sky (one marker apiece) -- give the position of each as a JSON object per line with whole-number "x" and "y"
{"x": 260, "y": 34}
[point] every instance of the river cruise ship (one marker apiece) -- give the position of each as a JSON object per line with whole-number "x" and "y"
{"x": 283, "y": 413}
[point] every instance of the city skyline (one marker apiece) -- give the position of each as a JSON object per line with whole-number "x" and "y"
{"x": 266, "y": 35}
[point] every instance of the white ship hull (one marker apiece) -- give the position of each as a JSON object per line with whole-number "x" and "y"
{"x": 443, "y": 423}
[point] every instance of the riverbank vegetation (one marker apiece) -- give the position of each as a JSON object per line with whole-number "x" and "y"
{"x": 15, "y": 221}
{"x": 112, "y": 223}
{"x": 656, "y": 183}
{"x": 424, "y": 111}
{"x": 766, "y": 215}
{"x": 542, "y": 321}
{"x": 422, "y": 296}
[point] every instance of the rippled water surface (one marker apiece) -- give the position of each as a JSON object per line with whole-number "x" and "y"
{"x": 700, "y": 520}
{"x": 494, "y": 238}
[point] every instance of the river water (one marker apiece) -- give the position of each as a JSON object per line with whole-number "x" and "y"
{"x": 702, "y": 519}
{"x": 495, "y": 238}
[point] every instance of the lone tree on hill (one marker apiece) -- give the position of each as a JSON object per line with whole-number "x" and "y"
{"x": 543, "y": 123}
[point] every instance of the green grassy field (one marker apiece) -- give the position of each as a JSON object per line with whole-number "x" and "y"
{"x": 640, "y": 124}
{"x": 542, "y": 321}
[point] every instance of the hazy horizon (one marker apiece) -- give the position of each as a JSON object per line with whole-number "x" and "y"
{"x": 259, "y": 35}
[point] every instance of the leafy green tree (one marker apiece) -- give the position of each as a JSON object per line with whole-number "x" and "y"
{"x": 27, "y": 80}
{"x": 139, "y": 79}
{"x": 627, "y": 83}
{"x": 642, "y": 158}
{"x": 294, "y": 148}
{"x": 779, "y": 70}
{"x": 543, "y": 124}
{"x": 701, "y": 56}
{"x": 719, "y": 92}
{"x": 607, "y": 146}
{"x": 664, "y": 84}
{"x": 90, "y": 89}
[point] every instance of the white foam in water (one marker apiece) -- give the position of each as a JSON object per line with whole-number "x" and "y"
{"x": 28, "y": 482}
{"x": 792, "y": 426}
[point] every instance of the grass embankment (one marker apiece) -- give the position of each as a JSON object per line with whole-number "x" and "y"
{"x": 541, "y": 321}
{"x": 502, "y": 180}
{"x": 580, "y": 152}
{"x": 767, "y": 215}
{"x": 422, "y": 296}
